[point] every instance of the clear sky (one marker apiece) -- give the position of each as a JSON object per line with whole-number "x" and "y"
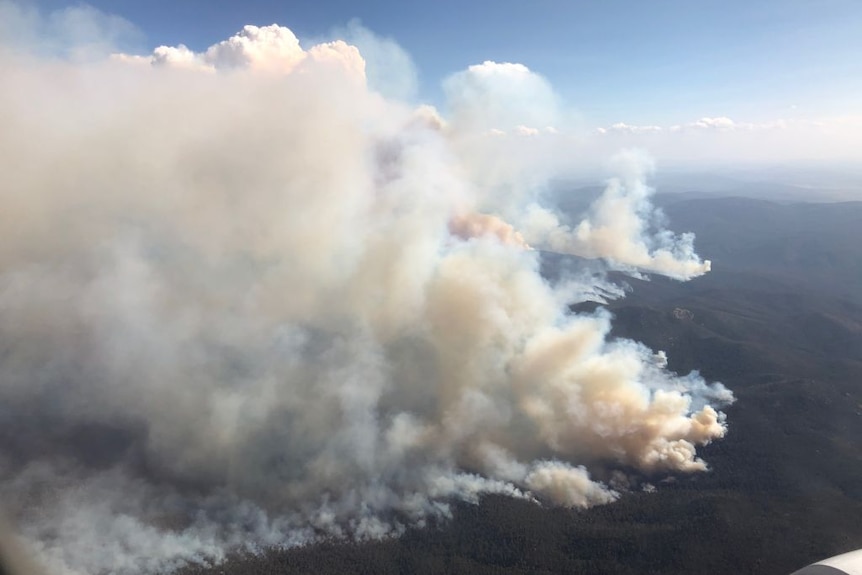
{"x": 632, "y": 61}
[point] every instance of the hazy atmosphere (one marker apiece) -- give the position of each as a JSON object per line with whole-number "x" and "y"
{"x": 771, "y": 81}
{"x": 276, "y": 284}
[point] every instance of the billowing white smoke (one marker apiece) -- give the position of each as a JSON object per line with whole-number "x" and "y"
{"x": 261, "y": 305}
{"x": 617, "y": 228}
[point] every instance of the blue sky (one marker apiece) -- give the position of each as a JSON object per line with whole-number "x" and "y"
{"x": 689, "y": 82}
{"x": 656, "y": 62}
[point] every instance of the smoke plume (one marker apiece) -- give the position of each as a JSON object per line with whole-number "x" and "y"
{"x": 246, "y": 301}
{"x": 617, "y": 228}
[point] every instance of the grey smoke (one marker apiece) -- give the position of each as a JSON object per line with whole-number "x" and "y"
{"x": 233, "y": 314}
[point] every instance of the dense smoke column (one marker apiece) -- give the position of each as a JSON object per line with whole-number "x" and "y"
{"x": 246, "y": 301}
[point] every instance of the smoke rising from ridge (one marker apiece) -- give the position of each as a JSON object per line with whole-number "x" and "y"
{"x": 245, "y": 301}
